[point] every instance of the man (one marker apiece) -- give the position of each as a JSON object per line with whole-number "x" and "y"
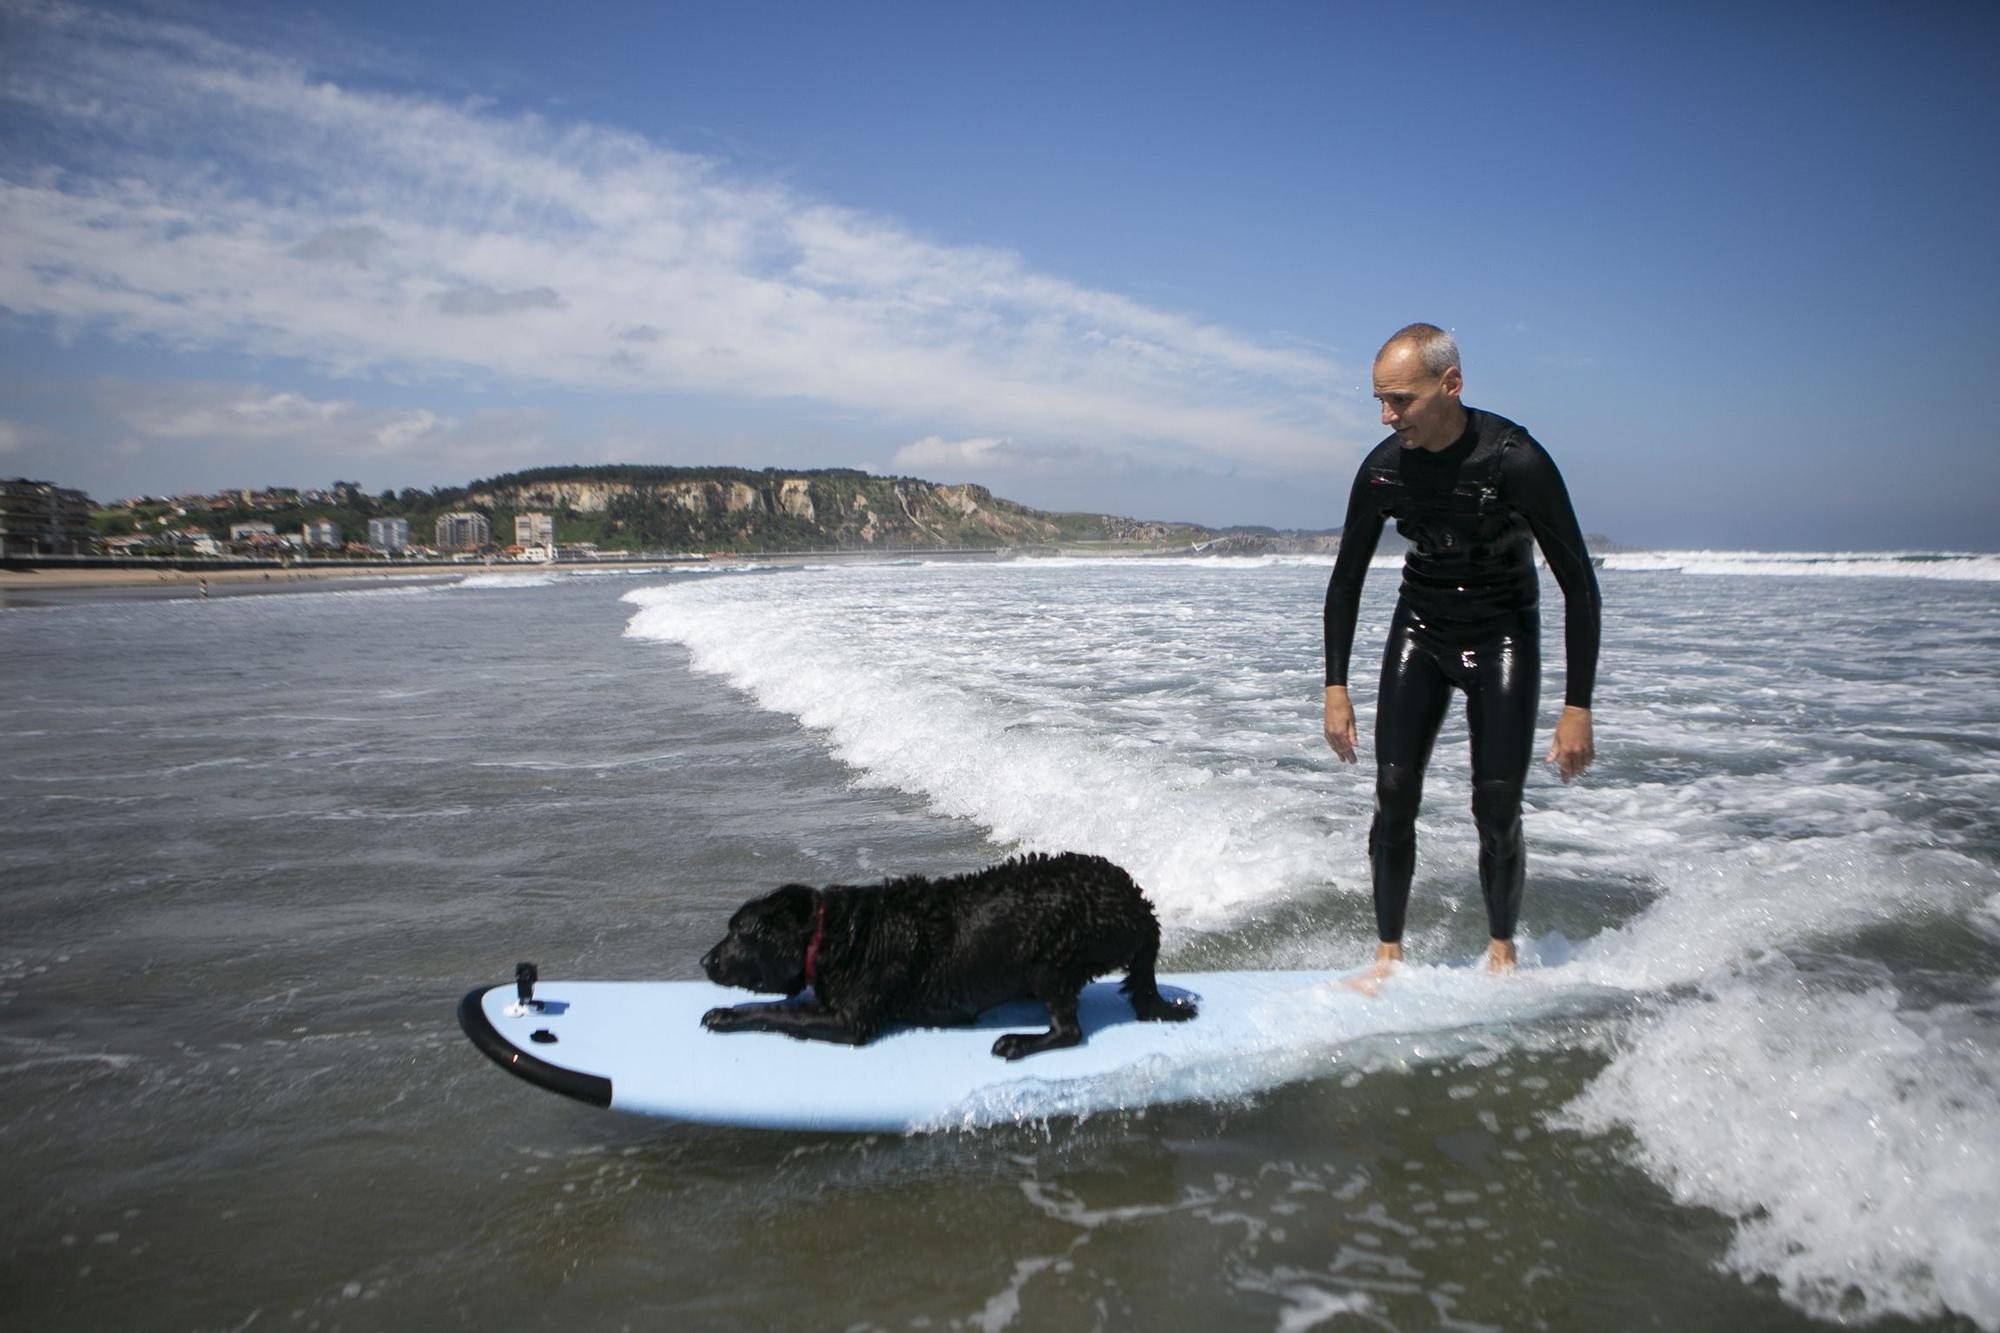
{"x": 1471, "y": 492}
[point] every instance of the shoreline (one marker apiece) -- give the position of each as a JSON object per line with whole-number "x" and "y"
{"x": 27, "y": 584}
{"x": 69, "y": 585}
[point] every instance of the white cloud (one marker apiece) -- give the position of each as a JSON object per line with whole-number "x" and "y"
{"x": 197, "y": 412}
{"x": 351, "y": 245}
{"x": 486, "y": 301}
{"x": 262, "y": 431}
{"x": 233, "y": 200}
{"x": 12, "y": 437}
{"x": 985, "y": 453}
{"x": 231, "y": 415}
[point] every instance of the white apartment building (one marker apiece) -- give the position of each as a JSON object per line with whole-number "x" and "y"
{"x": 388, "y": 534}
{"x": 320, "y": 532}
{"x": 534, "y": 530}
{"x": 463, "y": 530}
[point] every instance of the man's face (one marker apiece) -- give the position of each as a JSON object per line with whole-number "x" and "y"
{"x": 1420, "y": 407}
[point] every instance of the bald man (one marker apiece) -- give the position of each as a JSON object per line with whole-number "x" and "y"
{"x": 1473, "y": 494}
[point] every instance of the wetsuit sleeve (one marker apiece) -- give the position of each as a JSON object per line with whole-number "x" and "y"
{"x": 1358, "y": 538}
{"x": 1535, "y": 487}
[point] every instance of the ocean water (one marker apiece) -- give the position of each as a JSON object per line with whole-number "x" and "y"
{"x": 252, "y": 851}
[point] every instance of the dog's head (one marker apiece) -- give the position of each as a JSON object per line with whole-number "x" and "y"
{"x": 765, "y": 949}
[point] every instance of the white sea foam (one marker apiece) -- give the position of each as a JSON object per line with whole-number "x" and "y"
{"x": 1974, "y": 566}
{"x": 419, "y": 589}
{"x": 1218, "y": 564}
{"x": 1724, "y": 907}
{"x": 539, "y": 578}
{"x": 1987, "y": 919}
{"x": 1032, "y": 770}
{"x": 1213, "y": 563}
{"x": 1770, "y": 786}
{"x": 586, "y": 572}
{"x": 1856, "y": 1141}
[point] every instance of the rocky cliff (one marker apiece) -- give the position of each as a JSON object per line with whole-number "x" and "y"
{"x": 740, "y": 509}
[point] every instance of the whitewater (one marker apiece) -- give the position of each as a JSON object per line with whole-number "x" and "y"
{"x": 1774, "y": 902}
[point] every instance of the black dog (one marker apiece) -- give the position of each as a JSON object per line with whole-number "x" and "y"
{"x": 938, "y": 953}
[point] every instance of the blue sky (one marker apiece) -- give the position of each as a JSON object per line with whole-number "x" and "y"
{"x": 1731, "y": 264}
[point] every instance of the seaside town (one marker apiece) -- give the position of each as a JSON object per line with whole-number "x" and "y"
{"x": 40, "y": 519}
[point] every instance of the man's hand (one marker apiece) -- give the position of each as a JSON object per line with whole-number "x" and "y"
{"x": 1573, "y": 748}
{"x": 1340, "y": 723}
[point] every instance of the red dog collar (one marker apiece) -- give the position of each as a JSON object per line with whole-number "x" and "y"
{"x": 812, "y": 947}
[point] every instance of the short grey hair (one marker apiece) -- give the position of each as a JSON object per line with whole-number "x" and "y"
{"x": 1437, "y": 351}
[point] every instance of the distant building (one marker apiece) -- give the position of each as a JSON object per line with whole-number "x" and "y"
{"x": 463, "y": 531}
{"x": 534, "y": 530}
{"x": 256, "y": 527}
{"x": 40, "y": 518}
{"x": 388, "y": 534}
{"x": 319, "y": 532}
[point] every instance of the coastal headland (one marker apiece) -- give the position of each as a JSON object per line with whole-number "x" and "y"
{"x": 607, "y": 512}
{"x": 59, "y": 544}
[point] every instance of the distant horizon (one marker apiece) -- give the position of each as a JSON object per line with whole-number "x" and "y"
{"x": 1128, "y": 257}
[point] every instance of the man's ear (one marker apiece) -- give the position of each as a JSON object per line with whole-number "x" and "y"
{"x": 1454, "y": 383}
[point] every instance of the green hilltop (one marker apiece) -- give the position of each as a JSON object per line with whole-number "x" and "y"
{"x": 623, "y": 507}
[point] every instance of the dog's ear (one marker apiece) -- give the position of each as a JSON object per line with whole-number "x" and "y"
{"x": 792, "y": 905}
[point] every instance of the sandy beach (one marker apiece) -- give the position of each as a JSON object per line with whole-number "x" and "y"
{"x": 46, "y": 578}
{"x": 45, "y": 586}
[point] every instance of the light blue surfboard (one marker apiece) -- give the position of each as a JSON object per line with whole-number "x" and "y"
{"x": 640, "y": 1047}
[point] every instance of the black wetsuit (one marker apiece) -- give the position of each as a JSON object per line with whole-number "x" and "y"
{"x": 1468, "y": 618}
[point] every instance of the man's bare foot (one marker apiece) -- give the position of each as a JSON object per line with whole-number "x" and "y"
{"x": 1387, "y": 958}
{"x": 1500, "y": 957}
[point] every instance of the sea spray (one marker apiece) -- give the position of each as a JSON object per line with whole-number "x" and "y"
{"x": 1032, "y": 767}
{"x": 1853, "y": 1138}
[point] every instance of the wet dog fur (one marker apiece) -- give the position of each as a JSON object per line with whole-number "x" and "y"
{"x": 939, "y": 952}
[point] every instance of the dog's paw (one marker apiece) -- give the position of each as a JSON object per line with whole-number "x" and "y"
{"x": 724, "y": 1019}
{"x": 1016, "y": 1045}
{"x": 1160, "y": 1009}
